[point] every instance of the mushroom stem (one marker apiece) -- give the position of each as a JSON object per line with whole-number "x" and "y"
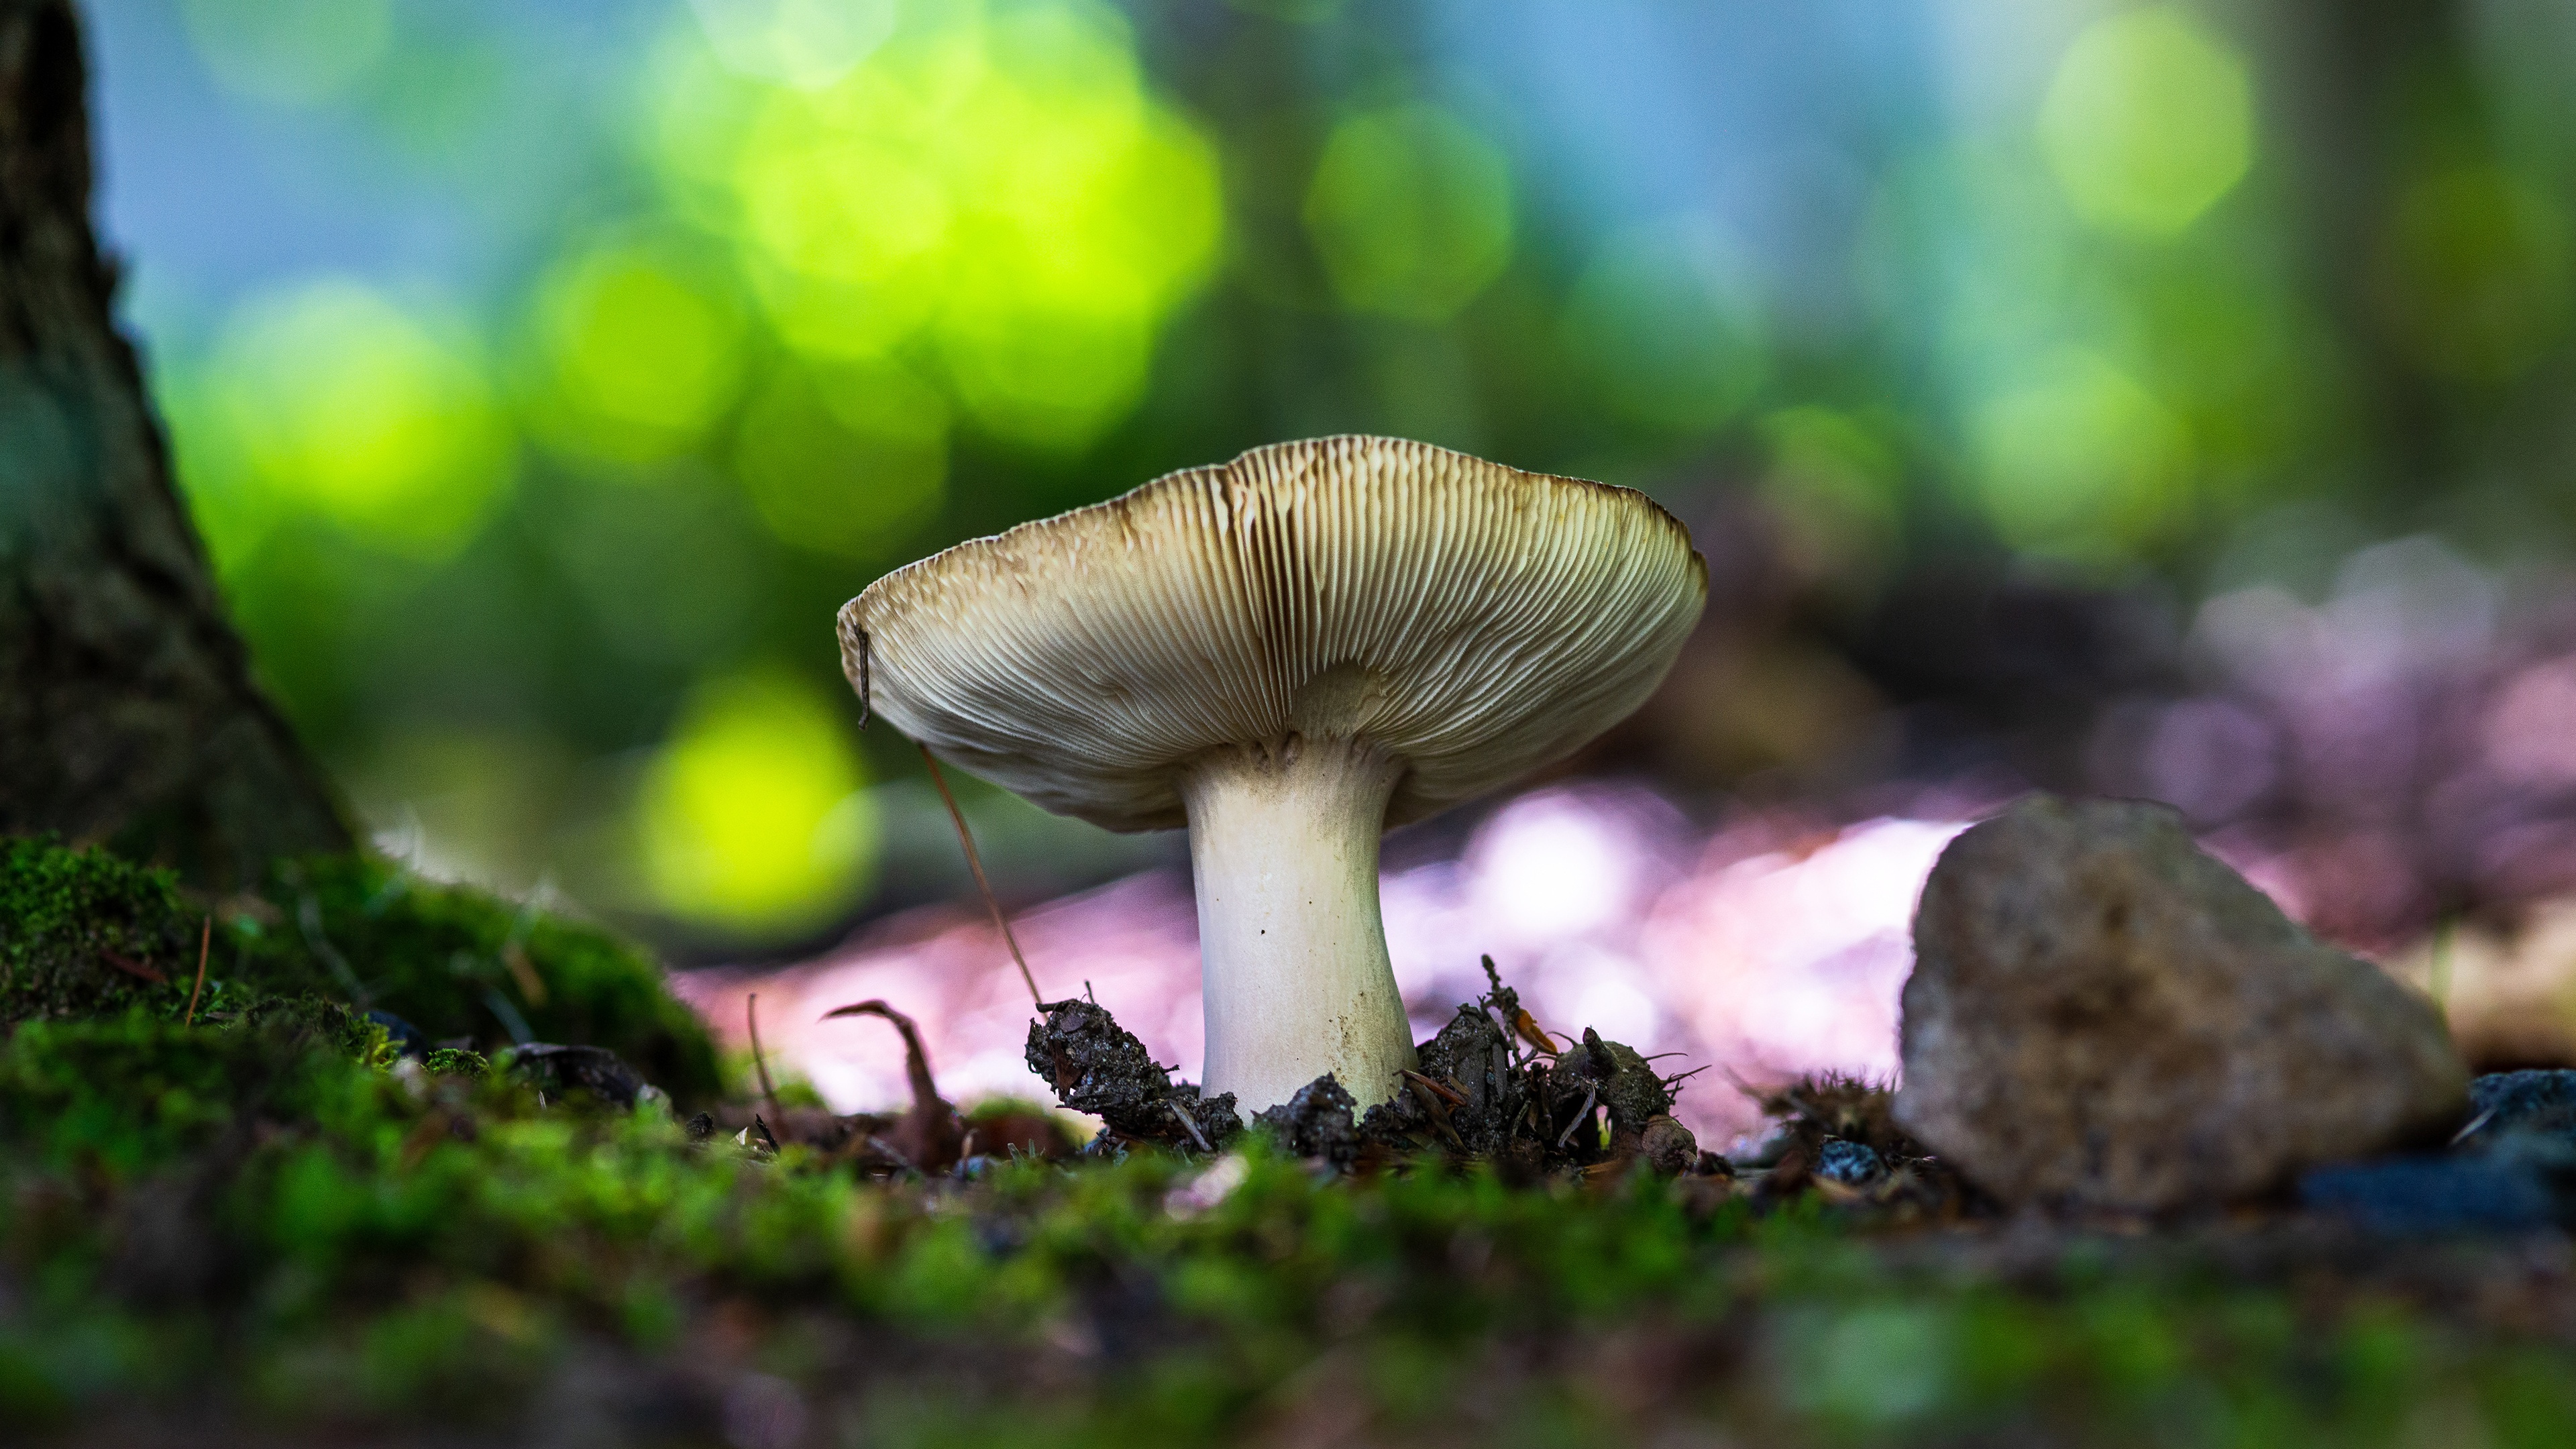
{"x": 1293, "y": 965}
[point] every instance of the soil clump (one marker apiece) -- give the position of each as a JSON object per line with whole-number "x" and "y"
{"x": 1491, "y": 1085}
{"x": 1094, "y": 1065}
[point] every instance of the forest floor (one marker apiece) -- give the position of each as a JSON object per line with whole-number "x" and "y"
{"x": 265, "y": 1224}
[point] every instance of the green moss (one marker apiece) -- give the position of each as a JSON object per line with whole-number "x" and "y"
{"x": 457, "y": 962}
{"x": 267, "y": 1227}
{"x": 129, "y": 1094}
{"x": 452, "y": 961}
{"x": 261, "y": 1230}
{"x": 68, "y": 917}
{"x": 452, "y": 1062}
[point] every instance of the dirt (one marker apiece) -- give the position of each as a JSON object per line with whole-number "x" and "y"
{"x": 1094, "y": 1065}
{"x": 1317, "y": 1121}
{"x": 1492, "y": 1086}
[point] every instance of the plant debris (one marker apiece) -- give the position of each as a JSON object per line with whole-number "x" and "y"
{"x": 1494, "y": 1085}
{"x": 930, "y": 1136}
{"x": 1491, "y": 1085}
{"x": 1669, "y": 1147}
{"x": 1838, "y": 1134}
{"x": 1612, "y": 1077}
{"x": 1473, "y": 1080}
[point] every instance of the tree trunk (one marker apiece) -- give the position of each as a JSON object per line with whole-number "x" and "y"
{"x": 127, "y": 710}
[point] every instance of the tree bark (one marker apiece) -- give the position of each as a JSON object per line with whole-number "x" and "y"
{"x": 128, "y": 714}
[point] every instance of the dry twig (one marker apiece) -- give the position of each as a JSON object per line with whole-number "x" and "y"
{"x": 930, "y": 1127}
{"x": 1591, "y": 1097}
{"x": 205, "y": 940}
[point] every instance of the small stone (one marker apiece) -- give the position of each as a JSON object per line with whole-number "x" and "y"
{"x": 2100, "y": 1015}
{"x": 1852, "y": 1164}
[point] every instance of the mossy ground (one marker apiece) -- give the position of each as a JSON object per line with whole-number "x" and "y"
{"x": 84, "y": 934}
{"x": 270, "y": 1228}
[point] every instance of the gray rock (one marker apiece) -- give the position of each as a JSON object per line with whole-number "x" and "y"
{"x": 2100, "y": 1015}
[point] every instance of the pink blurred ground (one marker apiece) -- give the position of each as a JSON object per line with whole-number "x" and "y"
{"x": 2392, "y": 762}
{"x": 1761, "y": 952}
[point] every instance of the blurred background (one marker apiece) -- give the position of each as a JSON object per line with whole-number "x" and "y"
{"x": 2159, "y": 399}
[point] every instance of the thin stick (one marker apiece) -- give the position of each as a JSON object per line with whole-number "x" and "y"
{"x": 1428, "y": 1093}
{"x": 205, "y": 938}
{"x": 1591, "y": 1095}
{"x": 975, "y": 863}
{"x": 759, "y": 1063}
{"x": 1187, "y": 1125}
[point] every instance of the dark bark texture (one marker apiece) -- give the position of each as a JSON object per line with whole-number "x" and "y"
{"x": 128, "y": 714}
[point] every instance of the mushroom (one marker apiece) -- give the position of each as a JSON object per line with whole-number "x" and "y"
{"x": 1288, "y": 654}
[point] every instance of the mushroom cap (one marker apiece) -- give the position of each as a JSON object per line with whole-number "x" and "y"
{"x": 1473, "y": 621}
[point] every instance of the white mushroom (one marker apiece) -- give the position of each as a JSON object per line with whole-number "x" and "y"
{"x": 1289, "y": 654}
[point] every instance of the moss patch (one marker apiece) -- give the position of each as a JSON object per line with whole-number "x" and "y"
{"x": 455, "y": 1062}
{"x": 273, "y": 1230}
{"x": 85, "y": 934}
{"x": 457, "y": 962}
{"x": 270, "y": 1226}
